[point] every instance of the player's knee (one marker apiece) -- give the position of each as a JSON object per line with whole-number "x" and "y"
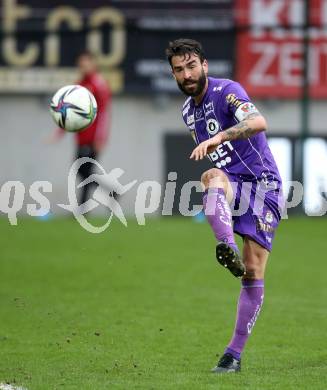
{"x": 213, "y": 178}
{"x": 253, "y": 273}
{"x": 255, "y": 259}
{"x": 255, "y": 268}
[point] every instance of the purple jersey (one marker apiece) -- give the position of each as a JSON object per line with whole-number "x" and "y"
{"x": 225, "y": 104}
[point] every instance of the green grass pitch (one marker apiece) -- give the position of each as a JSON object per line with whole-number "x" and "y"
{"x": 148, "y": 307}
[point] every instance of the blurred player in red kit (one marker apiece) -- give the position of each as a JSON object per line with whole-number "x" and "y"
{"x": 91, "y": 141}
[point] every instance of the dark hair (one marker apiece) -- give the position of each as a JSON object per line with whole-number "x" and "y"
{"x": 184, "y": 46}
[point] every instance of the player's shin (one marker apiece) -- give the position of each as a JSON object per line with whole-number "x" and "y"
{"x": 249, "y": 306}
{"x": 219, "y": 216}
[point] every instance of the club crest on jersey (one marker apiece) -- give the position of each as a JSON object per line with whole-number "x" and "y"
{"x": 212, "y": 126}
{"x": 269, "y": 217}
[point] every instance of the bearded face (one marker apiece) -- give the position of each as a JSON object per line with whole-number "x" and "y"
{"x": 190, "y": 74}
{"x": 193, "y": 87}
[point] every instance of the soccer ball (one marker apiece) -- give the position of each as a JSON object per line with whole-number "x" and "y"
{"x": 73, "y": 108}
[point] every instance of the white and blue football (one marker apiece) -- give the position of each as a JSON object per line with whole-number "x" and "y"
{"x": 73, "y": 108}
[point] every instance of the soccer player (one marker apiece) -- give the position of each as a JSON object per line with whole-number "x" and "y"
{"x": 230, "y": 131}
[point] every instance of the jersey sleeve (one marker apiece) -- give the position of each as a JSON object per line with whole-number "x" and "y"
{"x": 236, "y": 102}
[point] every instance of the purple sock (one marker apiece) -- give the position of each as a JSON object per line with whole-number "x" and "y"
{"x": 249, "y": 306}
{"x": 218, "y": 213}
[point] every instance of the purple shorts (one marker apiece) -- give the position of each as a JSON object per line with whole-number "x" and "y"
{"x": 256, "y": 209}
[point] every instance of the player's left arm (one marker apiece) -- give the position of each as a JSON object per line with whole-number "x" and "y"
{"x": 235, "y": 103}
{"x": 251, "y": 125}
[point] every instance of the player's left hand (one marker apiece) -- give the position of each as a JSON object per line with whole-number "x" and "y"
{"x": 205, "y": 147}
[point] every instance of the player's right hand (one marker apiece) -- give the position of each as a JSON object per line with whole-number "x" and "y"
{"x": 205, "y": 147}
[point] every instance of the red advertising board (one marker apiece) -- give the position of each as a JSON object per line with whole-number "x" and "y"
{"x": 269, "y": 60}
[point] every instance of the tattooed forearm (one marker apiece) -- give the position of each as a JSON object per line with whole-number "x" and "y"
{"x": 242, "y": 130}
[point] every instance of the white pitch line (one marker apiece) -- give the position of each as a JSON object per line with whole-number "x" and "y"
{"x": 7, "y": 386}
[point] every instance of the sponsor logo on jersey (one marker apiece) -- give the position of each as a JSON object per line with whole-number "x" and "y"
{"x": 208, "y": 108}
{"x": 221, "y": 155}
{"x": 212, "y": 126}
{"x": 233, "y": 100}
{"x": 264, "y": 227}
